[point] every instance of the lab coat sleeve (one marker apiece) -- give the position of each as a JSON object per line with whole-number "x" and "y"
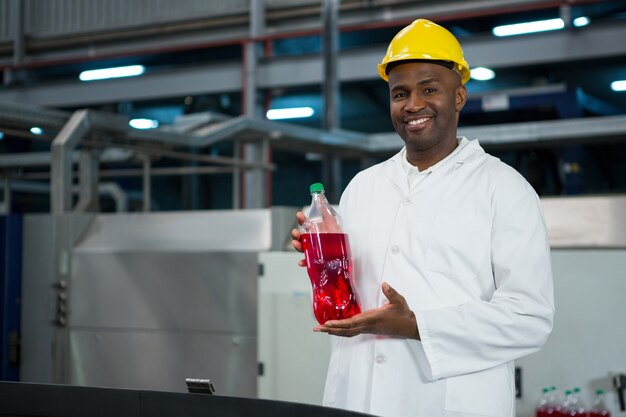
{"x": 517, "y": 320}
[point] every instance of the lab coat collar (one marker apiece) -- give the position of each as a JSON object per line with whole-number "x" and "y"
{"x": 467, "y": 151}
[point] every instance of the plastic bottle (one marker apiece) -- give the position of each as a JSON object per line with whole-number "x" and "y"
{"x": 556, "y": 401}
{"x": 577, "y": 405}
{"x": 564, "y": 410}
{"x": 543, "y": 409}
{"x": 599, "y": 408}
{"x": 328, "y": 260}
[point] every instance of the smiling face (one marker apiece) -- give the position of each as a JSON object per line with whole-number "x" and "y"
{"x": 425, "y": 101}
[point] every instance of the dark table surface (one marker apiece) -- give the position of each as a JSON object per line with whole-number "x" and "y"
{"x": 46, "y": 400}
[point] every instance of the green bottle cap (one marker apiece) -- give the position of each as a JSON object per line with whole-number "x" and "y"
{"x": 317, "y": 188}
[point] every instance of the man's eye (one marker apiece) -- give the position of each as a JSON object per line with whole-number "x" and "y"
{"x": 399, "y": 95}
{"x": 430, "y": 90}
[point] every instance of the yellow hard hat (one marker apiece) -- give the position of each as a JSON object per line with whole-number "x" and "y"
{"x": 424, "y": 39}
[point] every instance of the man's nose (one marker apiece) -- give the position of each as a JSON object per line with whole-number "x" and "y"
{"x": 414, "y": 103}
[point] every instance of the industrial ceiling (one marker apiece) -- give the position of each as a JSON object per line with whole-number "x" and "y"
{"x": 194, "y": 55}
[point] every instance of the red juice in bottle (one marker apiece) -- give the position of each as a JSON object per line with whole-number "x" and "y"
{"x": 329, "y": 265}
{"x": 329, "y": 262}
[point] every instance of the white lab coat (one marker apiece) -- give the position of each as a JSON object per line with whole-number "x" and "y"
{"x": 468, "y": 249}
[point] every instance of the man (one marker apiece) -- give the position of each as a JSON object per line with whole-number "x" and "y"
{"x": 451, "y": 256}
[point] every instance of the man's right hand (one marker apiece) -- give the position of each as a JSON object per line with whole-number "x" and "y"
{"x": 295, "y": 234}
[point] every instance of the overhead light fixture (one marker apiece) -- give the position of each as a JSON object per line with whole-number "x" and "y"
{"x": 581, "y": 21}
{"x": 619, "y": 85}
{"x": 482, "y": 74}
{"x": 1, "y": 135}
{"x": 116, "y": 72}
{"x": 144, "y": 123}
{"x": 36, "y": 130}
{"x": 290, "y": 113}
{"x": 529, "y": 27}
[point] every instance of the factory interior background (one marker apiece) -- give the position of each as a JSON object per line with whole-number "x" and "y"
{"x": 153, "y": 154}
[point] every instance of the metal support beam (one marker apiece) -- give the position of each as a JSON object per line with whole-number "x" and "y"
{"x": 257, "y": 27}
{"x": 147, "y": 184}
{"x": 330, "y": 87}
{"x": 10, "y": 74}
{"x": 61, "y": 170}
{"x": 331, "y": 166}
{"x": 253, "y": 180}
{"x": 5, "y": 207}
{"x": 88, "y": 199}
{"x": 18, "y": 32}
{"x": 236, "y": 176}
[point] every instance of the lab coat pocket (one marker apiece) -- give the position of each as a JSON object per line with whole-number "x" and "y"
{"x": 486, "y": 393}
{"x": 458, "y": 244}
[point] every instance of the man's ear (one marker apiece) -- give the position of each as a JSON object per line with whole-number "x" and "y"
{"x": 460, "y": 97}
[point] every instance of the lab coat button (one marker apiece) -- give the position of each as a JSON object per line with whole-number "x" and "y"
{"x": 380, "y": 358}
{"x": 395, "y": 249}
{"x": 406, "y": 201}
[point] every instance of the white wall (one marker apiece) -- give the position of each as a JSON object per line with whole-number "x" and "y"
{"x": 588, "y": 343}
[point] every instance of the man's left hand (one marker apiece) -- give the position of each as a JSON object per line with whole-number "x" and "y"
{"x": 394, "y": 319}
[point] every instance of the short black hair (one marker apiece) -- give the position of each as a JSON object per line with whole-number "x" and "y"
{"x": 392, "y": 65}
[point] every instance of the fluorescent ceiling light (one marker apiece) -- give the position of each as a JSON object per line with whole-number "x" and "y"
{"x": 619, "y": 85}
{"x": 581, "y": 21}
{"x": 36, "y": 130}
{"x": 529, "y": 27}
{"x": 482, "y": 74}
{"x": 117, "y": 72}
{"x": 144, "y": 123}
{"x": 290, "y": 113}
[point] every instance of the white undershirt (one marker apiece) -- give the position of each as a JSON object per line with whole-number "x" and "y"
{"x": 414, "y": 176}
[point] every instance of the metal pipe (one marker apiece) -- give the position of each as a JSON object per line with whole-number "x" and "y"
{"x": 62, "y": 152}
{"x": 139, "y": 172}
{"x": 87, "y": 181}
{"x": 330, "y": 17}
{"x": 267, "y": 159}
{"x": 236, "y": 177}
{"x": 18, "y": 32}
{"x": 147, "y": 191}
{"x": 6, "y": 203}
{"x": 250, "y": 59}
{"x": 111, "y": 189}
{"x": 332, "y": 118}
{"x": 159, "y": 152}
{"x": 253, "y": 184}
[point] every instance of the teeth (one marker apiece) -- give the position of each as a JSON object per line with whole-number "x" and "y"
{"x": 418, "y": 121}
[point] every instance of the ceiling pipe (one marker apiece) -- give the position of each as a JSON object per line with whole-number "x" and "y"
{"x": 439, "y": 17}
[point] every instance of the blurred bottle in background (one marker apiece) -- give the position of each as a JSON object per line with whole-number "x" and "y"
{"x": 556, "y": 399}
{"x": 564, "y": 409}
{"x": 577, "y": 405}
{"x": 599, "y": 408}
{"x": 544, "y": 408}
